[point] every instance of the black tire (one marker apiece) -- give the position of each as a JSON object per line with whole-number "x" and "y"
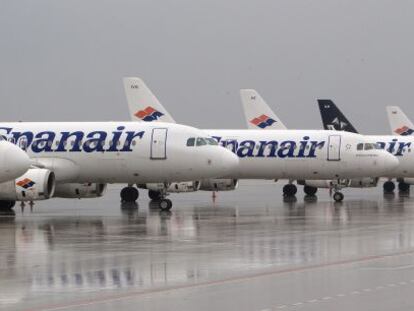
{"x": 154, "y": 195}
{"x": 129, "y": 194}
{"x": 389, "y": 187}
{"x": 165, "y": 204}
{"x": 6, "y": 205}
{"x": 290, "y": 190}
{"x": 338, "y": 196}
{"x": 311, "y": 191}
{"x": 403, "y": 187}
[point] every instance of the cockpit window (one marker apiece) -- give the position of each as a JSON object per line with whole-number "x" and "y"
{"x": 211, "y": 141}
{"x": 190, "y": 142}
{"x": 201, "y": 141}
{"x": 369, "y": 147}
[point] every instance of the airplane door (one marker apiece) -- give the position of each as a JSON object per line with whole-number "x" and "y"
{"x": 334, "y": 148}
{"x": 159, "y": 144}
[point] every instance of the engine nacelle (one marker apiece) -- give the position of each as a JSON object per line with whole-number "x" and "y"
{"x": 219, "y": 184}
{"x": 79, "y": 191}
{"x": 35, "y": 184}
{"x": 366, "y": 182}
{"x": 190, "y": 186}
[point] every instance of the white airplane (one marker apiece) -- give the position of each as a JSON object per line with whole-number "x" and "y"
{"x": 255, "y": 106}
{"x": 400, "y": 146}
{"x": 283, "y": 154}
{"x": 75, "y": 159}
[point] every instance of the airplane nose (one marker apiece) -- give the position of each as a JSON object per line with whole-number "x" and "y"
{"x": 14, "y": 162}
{"x": 230, "y": 161}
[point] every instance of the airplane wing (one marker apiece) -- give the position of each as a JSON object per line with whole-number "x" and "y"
{"x": 257, "y": 113}
{"x": 333, "y": 118}
{"x": 399, "y": 122}
{"x": 142, "y": 103}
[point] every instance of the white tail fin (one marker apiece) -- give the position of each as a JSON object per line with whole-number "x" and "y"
{"x": 143, "y": 105}
{"x": 399, "y": 123}
{"x": 257, "y": 113}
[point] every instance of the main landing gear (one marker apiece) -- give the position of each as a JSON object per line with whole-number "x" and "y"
{"x": 289, "y": 190}
{"x": 310, "y": 191}
{"x": 403, "y": 187}
{"x": 389, "y": 187}
{"x": 130, "y": 194}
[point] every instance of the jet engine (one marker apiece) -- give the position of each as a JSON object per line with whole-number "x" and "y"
{"x": 219, "y": 184}
{"x": 80, "y": 191}
{"x": 35, "y": 184}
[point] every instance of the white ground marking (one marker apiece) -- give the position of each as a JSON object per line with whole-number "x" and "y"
{"x": 341, "y": 295}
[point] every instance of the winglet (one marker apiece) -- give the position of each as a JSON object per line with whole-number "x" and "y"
{"x": 142, "y": 103}
{"x": 257, "y": 113}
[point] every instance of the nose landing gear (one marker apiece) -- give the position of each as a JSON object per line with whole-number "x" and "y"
{"x": 338, "y": 196}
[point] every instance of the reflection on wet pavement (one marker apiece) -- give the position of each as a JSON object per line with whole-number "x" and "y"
{"x": 67, "y": 250}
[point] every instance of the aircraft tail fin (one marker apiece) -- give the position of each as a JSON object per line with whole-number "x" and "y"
{"x": 257, "y": 113}
{"x": 400, "y": 124}
{"x": 142, "y": 103}
{"x": 333, "y": 118}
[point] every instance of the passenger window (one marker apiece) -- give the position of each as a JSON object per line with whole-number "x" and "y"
{"x": 190, "y": 142}
{"x": 201, "y": 141}
{"x": 360, "y": 147}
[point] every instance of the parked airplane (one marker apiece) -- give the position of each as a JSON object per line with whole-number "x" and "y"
{"x": 75, "y": 160}
{"x": 399, "y": 146}
{"x": 284, "y": 154}
{"x": 255, "y": 107}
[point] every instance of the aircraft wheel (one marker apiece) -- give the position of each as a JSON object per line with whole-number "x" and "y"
{"x": 154, "y": 195}
{"x": 290, "y": 190}
{"x": 338, "y": 196}
{"x": 403, "y": 187}
{"x": 389, "y": 186}
{"x": 129, "y": 194}
{"x": 165, "y": 204}
{"x": 310, "y": 190}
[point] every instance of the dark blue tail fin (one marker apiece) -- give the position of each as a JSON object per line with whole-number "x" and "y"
{"x": 333, "y": 118}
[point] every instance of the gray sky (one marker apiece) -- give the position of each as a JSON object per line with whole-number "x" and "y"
{"x": 63, "y": 60}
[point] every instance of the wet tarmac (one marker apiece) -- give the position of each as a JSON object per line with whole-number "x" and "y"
{"x": 247, "y": 251}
